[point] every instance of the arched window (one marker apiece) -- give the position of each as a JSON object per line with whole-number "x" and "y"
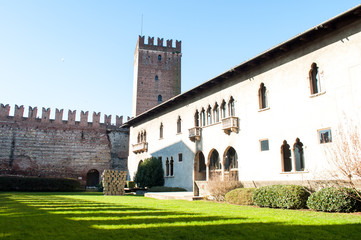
{"x": 262, "y": 94}
{"x": 171, "y": 166}
{"x": 315, "y": 85}
{"x": 299, "y": 156}
{"x": 145, "y": 136}
{"x": 161, "y": 131}
{"x": 196, "y": 119}
{"x": 156, "y": 77}
{"x": 223, "y": 109}
{"x": 209, "y": 115}
{"x": 231, "y": 107}
{"x": 159, "y": 58}
{"x": 179, "y": 125}
{"x": 160, "y": 98}
{"x": 216, "y": 113}
{"x": 203, "y": 118}
{"x": 214, "y": 162}
{"x": 138, "y": 138}
{"x": 167, "y": 167}
{"x": 286, "y": 157}
{"x": 231, "y": 160}
{"x": 142, "y": 137}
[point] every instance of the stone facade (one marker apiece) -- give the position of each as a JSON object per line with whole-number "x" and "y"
{"x": 266, "y": 121}
{"x": 47, "y": 147}
{"x": 157, "y": 73}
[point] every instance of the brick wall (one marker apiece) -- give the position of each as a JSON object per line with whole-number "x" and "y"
{"x": 55, "y": 148}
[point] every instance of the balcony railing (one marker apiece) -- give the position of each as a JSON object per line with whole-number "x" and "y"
{"x": 140, "y": 147}
{"x": 230, "y": 124}
{"x": 195, "y": 134}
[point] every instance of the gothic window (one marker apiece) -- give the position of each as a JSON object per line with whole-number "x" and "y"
{"x": 286, "y": 157}
{"x": 223, "y": 109}
{"x": 315, "y": 85}
{"x": 145, "y": 136}
{"x": 203, "y": 117}
{"x": 167, "y": 167}
{"x": 231, "y": 107}
{"x": 159, "y": 58}
{"x": 216, "y": 113}
{"x": 160, "y": 98}
{"x": 171, "y": 167}
{"x": 142, "y": 137}
{"x": 138, "y": 139}
{"x": 214, "y": 161}
{"x": 262, "y": 95}
{"x": 209, "y": 115}
{"x": 196, "y": 119}
{"x": 299, "y": 156}
{"x": 179, "y": 125}
{"x": 231, "y": 160}
{"x": 325, "y": 135}
{"x": 161, "y": 131}
{"x": 156, "y": 78}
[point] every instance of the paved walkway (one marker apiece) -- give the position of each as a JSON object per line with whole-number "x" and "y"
{"x": 172, "y": 195}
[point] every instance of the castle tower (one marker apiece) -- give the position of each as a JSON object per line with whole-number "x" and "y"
{"x": 157, "y": 73}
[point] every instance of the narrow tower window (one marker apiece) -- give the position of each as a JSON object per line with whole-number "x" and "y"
{"x": 156, "y": 77}
{"x": 179, "y": 125}
{"x": 314, "y": 79}
{"x": 160, "y": 99}
{"x": 159, "y": 58}
{"x": 161, "y": 131}
{"x": 262, "y": 94}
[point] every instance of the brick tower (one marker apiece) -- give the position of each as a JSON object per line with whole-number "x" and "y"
{"x": 157, "y": 73}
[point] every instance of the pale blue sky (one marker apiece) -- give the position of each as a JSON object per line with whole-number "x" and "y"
{"x": 78, "y": 54}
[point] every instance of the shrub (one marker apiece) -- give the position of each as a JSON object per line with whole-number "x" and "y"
{"x": 130, "y": 184}
{"x": 35, "y": 184}
{"x": 335, "y": 200}
{"x": 240, "y": 196}
{"x": 281, "y": 196}
{"x": 166, "y": 189}
{"x": 150, "y": 173}
{"x": 218, "y": 189}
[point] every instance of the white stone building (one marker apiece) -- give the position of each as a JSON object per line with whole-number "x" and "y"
{"x": 265, "y": 121}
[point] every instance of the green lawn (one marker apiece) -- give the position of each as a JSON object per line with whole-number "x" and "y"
{"x": 93, "y": 216}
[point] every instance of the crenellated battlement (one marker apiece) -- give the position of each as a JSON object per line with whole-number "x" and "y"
{"x": 159, "y": 46}
{"x": 45, "y": 117}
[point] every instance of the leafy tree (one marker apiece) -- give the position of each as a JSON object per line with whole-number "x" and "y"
{"x": 150, "y": 173}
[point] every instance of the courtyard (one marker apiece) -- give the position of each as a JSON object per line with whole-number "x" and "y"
{"x": 94, "y": 216}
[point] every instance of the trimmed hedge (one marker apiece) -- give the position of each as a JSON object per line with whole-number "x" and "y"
{"x": 240, "y": 196}
{"x": 335, "y": 200}
{"x": 281, "y": 196}
{"x": 36, "y": 184}
{"x": 150, "y": 173}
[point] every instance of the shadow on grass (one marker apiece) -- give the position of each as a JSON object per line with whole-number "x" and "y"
{"x": 26, "y": 216}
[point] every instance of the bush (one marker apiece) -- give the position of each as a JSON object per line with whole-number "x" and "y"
{"x": 35, "y": 184}
{"x": 281, "y": 196}
{"x": 335, "y": 200}
{"x": 166, "y": 189}
{"x": 240, "y": 196}
{"x": 150, "y": 173}
{"x": 218, "y": 189}
{"x": 130, "y": 184}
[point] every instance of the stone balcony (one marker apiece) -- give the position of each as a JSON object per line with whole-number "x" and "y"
{"x": 230, "y": 124}
{"x": 140, "y": 147}
{"x": 195, "y": 134}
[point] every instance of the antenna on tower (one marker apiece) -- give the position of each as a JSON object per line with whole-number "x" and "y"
{"x": 141, "y": 26}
